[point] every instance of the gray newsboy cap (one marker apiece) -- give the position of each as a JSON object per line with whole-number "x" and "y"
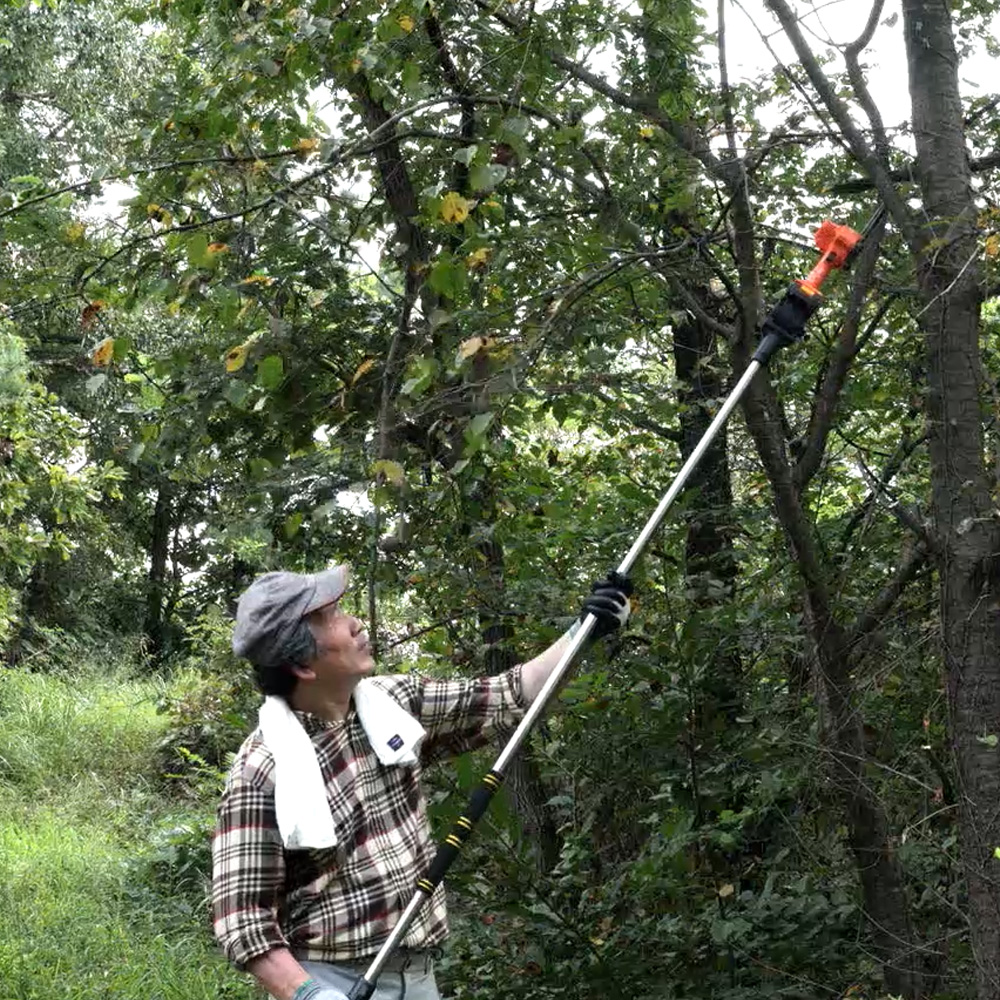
{"x": 271, "y": 608}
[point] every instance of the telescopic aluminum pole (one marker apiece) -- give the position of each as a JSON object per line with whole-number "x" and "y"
{"x": 785, "y": 324}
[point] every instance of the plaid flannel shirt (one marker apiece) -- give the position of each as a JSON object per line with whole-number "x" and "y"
{"x": 340, "y": 904}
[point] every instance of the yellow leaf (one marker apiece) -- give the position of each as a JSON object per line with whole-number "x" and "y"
{"x": 218, "y": 247}
{"x": 992, "y": 245}
{"x": 305, "y": 148}
{"x": 473, "y": 346}
{"x": 236, "y": 358}
{"x": 75, "y": 231}
{"x": 406, "y": 23}
{"x": 366, "y": 366}
{"x": 387, "y": 469}
{"x": 646, "y": 132}
{"x": 104, "y": 352}
{"x": 478, "y": 258}
{"x": 454, "y": 208}
{"x": 726, "y": 890}
{"x": 153, "y": 209}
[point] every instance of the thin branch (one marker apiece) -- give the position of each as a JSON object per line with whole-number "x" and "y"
{"x": 440, "y": 623}
{"x": 906, "y": 447}
{"x": 877, "y": 169}
{"x": 846, "y": 350}
{"x": 687, "y": 136}
{"x": 727, "y": 93}
{"x": 906, "y": 516}
{"x": 857, "y": 78}
{"x": 913, "y": 561}
{"x": 150, "y": 169}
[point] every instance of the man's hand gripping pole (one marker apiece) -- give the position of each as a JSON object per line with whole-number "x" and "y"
{"x": 785, "y": 324}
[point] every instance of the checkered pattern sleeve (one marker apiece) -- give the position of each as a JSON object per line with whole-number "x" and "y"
{"x": 460, "y": 715}
{"x": 248, "y": 868}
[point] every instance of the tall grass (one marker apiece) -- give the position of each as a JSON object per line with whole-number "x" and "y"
{"x": 82, "y": 912}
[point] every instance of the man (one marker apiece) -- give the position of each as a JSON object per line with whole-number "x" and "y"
{"x": 305, "y": 902}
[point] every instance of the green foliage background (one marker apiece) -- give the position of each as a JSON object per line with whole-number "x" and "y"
{"x": 243, "y": 327}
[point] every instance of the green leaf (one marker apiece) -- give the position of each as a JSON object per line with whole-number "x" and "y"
{"x": 411, "y": 76}
{"x": 236, "y": 391}
{"x": 392, "y": 471}
{"x": 517, "y": 126}
{"x": 479, "y": 424}
{"x": 486, "y": 177}
{"x": 270, "y": 371}
{"x": 465, "y": 155}
{"x": 197, "y": 251}
{"x": 447, "y": 278}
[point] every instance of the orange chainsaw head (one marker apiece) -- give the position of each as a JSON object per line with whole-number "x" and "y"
{"x": 836, "y": 240}
{"x": 836, "y": 243}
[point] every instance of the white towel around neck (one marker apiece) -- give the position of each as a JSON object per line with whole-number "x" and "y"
{"x": 300, "y": 802}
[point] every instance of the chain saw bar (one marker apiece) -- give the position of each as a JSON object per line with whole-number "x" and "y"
{"x": 786, "y": 322}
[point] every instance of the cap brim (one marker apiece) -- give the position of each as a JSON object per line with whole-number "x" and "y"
{"x": 330, "y": 586}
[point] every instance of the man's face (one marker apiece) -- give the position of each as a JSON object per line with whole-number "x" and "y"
{"x": 342, "y": 650}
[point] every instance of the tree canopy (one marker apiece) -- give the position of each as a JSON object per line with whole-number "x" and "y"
{"x": 449, "y": 290}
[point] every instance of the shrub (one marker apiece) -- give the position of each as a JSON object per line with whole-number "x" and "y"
{"x": 210, "y": 702}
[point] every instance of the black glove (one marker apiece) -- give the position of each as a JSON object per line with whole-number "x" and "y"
{"x": 608, "y": 603}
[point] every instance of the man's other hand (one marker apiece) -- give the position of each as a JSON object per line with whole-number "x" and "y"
{"x": 608, "y": 603}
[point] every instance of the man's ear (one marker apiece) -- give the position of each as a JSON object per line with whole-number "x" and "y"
{"x": 304, "y": 673}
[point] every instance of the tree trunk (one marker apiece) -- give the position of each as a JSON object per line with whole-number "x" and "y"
{"x": 710, "y": 566}
{"x": 523, "y": 780}
{"x": 159, "y": 550}
{"x": 882, "y": 883}
{"x": 963, "y": 514}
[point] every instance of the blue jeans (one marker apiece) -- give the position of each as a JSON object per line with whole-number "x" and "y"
{"x": 414, "y": 981}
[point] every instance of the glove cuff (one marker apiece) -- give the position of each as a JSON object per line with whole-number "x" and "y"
{"x": 308, "y": 990}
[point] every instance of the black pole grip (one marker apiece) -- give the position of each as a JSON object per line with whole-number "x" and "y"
{"x": 786, "y": 322}
{"x": 361, "y": 990}
{"x": 460, "y": 832}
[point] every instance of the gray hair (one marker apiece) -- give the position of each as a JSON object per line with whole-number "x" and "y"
{"x": 276, "y": 676}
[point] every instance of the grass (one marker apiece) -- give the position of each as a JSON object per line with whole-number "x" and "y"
{"x": 85, "y": 910}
